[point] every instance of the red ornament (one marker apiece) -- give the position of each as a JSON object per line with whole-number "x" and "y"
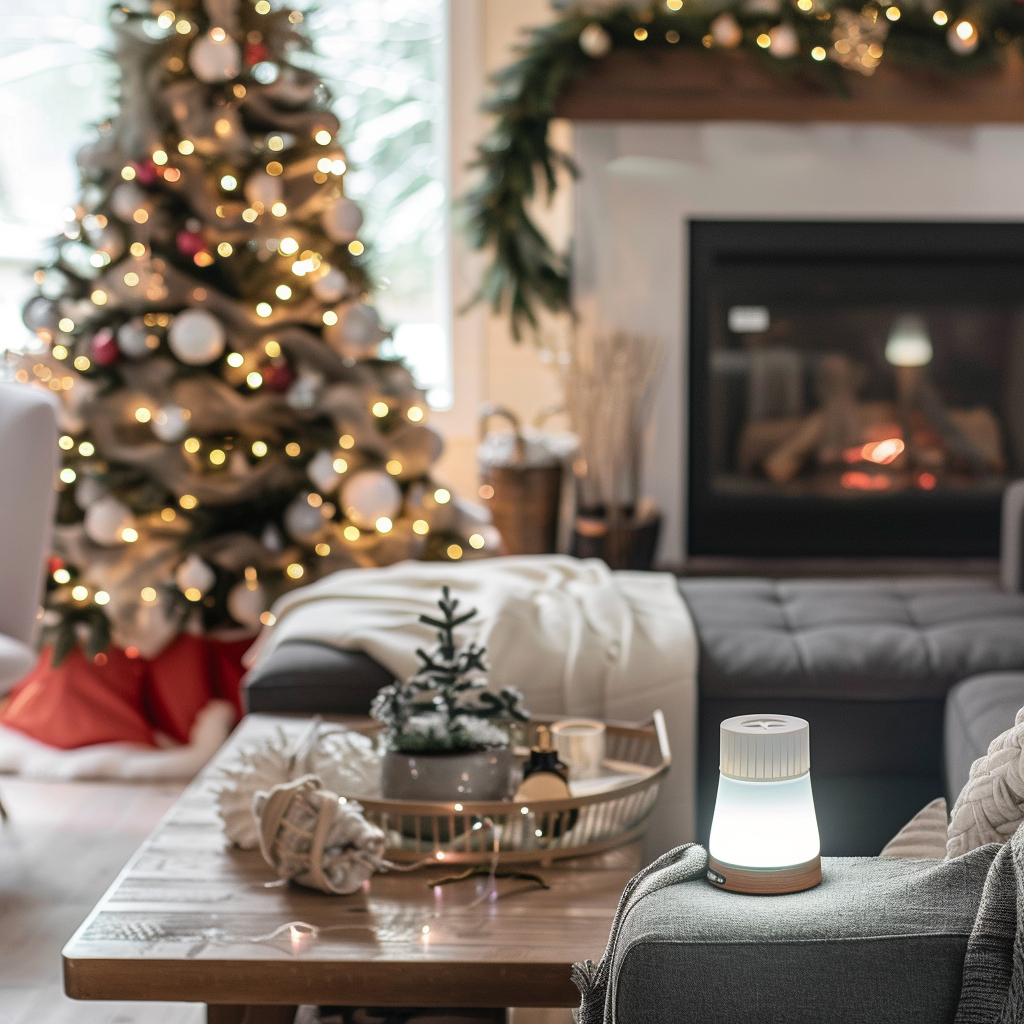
{"x": 104, "y": 347}
{"x": 279, "y": 377}
{"x": 189, "y": 242}
{"x": 145, "y": 171}
{"x": 54, "y": 564}
{"x": 255, "y": 53}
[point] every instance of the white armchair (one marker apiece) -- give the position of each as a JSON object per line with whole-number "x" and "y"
{"x": 28, "y": 465}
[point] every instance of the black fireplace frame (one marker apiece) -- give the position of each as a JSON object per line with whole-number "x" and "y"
{"x": 914, "y": 524}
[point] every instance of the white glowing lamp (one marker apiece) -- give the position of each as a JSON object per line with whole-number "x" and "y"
{"x": 764, "y": 837}
{"x": 909, "y": 343}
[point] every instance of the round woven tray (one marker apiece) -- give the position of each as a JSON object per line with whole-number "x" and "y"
{"x": 541, "y": 830}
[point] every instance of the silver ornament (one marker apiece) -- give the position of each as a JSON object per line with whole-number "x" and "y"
{"x": 170, "y": 423}
{"x": 416, "y": 448}
{"x": 106, "y": 519}
{"x": 194, "y": 574}
{"x": 357, "y": 332}
{"x": 301, "y": 520}
{"x": 196, "y": 337}
{"x": 215, "y": 57}
{"x": 88, "y": 491}
{"x": 321, "y": 470}
{"x": 342, "y": 220}
{"x": 126, "y": 199}
{"x": 370, "y": 495}
{"x": 135, "y": 340}
{"x": 595, "y": 41}
{"x": 271, "y": 538}
{"x": 331, "y": 287}
{"x": 247, "y": 602}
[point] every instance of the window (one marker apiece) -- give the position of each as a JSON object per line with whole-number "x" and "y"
{"x": 385, "y": 63}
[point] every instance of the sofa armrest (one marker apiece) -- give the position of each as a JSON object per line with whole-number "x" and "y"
{"x": 1011, "y": 539}
{"x": 880, "y": 940}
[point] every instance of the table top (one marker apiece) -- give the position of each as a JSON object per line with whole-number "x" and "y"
{"x": 190, "y": 918}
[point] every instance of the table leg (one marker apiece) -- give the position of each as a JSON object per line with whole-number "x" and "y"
{"x": 229, "y": 1014}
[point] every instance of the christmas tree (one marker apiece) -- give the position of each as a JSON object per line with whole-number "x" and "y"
{"x": 230, "y": 431}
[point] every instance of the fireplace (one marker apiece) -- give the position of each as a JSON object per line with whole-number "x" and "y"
{"x": 856, "y": 388}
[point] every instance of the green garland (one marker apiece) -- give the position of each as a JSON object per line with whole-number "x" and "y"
{"x": 959, "y": 37}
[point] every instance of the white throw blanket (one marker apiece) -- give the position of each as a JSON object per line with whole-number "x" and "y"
{"x": 574, "y": 637}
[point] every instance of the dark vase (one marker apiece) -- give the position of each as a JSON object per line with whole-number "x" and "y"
{"x": 625, "y": 543}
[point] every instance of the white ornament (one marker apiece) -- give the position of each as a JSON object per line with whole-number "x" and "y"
{"x": 215, "y": 57}
{"x": 88, "y": 491}
{"x": 271, "y": 538}
{"x": 370, "y": 495}
{"x": 264, "y": 188}
{"x": 357, "y": 332}
{"x": 342, "y": 220}
{"x": 195, "y": 574}
{"x": 196, "y": 337}
{"x": 417, "y": 447}
{"x": 127, "y": 198}
{"x": 303, "y": 394}
{"x": 246, "y": 603}
{"x": 784, "y": 42}
{"x": 726, "y": 31}
{"x": 170, "y": 423}
{"x": 595, "y": 41}
{"x": 331, "y": 287}
{"x": 321, "y": 470}
{"x": 301, "y": 520}
{"x": 135, "y": 340}
{"x": 40, "y": 314}
{"x": 106, "y": 519}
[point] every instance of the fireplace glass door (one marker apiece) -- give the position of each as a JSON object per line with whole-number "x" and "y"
{"x": 856, "y": 388}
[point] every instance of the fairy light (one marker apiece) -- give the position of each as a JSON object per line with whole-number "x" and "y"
{"x": 442, "y": 496}
{"x": 159, "y": 157}
{"x": 330, "y": 318}
{"x": 276, "y": 143}
{"x": 140, "y": 216}
{"x": 339, "y": 466}
{"x": 82, "y": 363}
{"x": 272, "y": 348}
{"x": 186, "y": 147}
{"x": 640, "y": 34}
{"x": 323, "y": 550}
{"x": 322, "y": 137}
{"x": 818, "y": 53}
{"x": 249, "y": 215}
{"x": 296, "y": 17}
{"x": 128, "y": 172}
{"x": 148, "y": 595}
{"x": 295, "y": 571}
{"x": 940, "y": 17}
{"x": 225, "y": 249}
{"x": 293, "y": 449}
{"x": 61, "y": 576}
{"x": 338, "y": 167}
{"x": 486, "y": 492}
{"x": 68, "y": 476}
{"x": 274, "y": 168}
{"x": 351, "y": 533}
{"x": 764, "y": 40}
{"x": 964, "y": 29}
{"x": 254, "y": 379}
{"x": 99, "y": 259}
{"x": 263, "y": 7}
{"x": 454, "y": 552}
{"x": 235, "y": 359}
{"x": 218, "y": 35}
{"x": 183, "y": 27}
{"x": 66, "y": 324}
{"x": 80, "y": 593}
{"x": 194, "y": 594}
{"x": 415, "y": 413}
{"x": 892, "y": 13}
{"x": 314, "y": 500}
{"x": 229, "y": 183}
{"x": 239, "y": 91}
{"x": 394, "y": 467}
{"x": 674, "y": 5}
{"x": 383, "y": 525}
{"x": 347, "y": 441}
{"x": 356, "y": 248}
{"x": 131, "y": 279}
{"x": 217, "y": 457}
{"x": 137, "y": 249}
{"x": 165, "y": 19}
{"x": 168, "y": 515}
{"x": 192, "y": 445}
{"x": 187, "y": 502}
{"x": 288, "y": 246}
{"x": 279, "y": 209}
{"x": 268, "y": 618}
{"x": 380, "y": 409}
{"x": 476, "y": 540}
{"x": 129, "y": 536}
{"x": 59, "y": 352}
{"x": 421, "y": 527}
{"x": 143, "y": 415}
{"x": 324, "y": 164}
{"x": 259, "y": 449}
{"x": 282, "y": 291}
{"x": 86, "y": 449}
{"x": 264, "y": 309}
{"x": 175, "y": 64}
{"x": 67, "y": 443}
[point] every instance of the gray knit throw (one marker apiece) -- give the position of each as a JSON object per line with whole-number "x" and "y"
{"x": 993, "y": 985}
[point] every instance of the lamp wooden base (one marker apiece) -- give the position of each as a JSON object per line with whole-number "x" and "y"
{"x": 765, "y": 881}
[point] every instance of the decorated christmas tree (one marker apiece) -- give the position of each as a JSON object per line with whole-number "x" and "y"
{"x": 229, "y": 430}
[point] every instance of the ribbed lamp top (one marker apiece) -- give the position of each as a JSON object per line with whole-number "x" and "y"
{"x": 765, "y": 747}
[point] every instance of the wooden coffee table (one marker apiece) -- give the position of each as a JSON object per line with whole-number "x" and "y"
{"x": 190, "y": 919}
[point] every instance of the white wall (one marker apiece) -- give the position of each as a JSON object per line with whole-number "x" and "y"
{"x": 641, "y": 182}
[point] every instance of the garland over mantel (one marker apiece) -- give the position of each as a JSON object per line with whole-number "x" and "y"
{"x": 822, "y": 37}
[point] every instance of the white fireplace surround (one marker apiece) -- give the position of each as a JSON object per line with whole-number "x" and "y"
{"x": 640, "y": 184}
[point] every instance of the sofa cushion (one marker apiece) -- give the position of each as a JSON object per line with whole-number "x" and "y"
{"x": 878, "y": 942}
{"x": 869, "y": 639}
{"x": 977, "y": 711}
{"x": 311, "y": 678}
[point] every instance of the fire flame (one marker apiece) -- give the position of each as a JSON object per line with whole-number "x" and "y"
{"x": 856, "y": 481}
{"x": 881, "y": 453}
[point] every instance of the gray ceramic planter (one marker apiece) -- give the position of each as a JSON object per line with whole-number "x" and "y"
{"x": 447, "y": 777}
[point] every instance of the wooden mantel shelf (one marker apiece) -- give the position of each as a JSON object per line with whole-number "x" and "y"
{"x": 688, "y": 85}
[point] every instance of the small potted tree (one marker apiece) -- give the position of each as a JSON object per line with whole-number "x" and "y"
{"x": 447, "y": 736}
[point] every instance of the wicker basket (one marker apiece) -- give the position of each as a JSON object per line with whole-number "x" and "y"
{"x": 543, "y": 830}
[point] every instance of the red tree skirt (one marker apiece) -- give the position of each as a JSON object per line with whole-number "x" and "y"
{"x": 121, "y": 699}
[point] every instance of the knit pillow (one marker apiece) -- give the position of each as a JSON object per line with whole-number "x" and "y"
{"x": 924, "y": 836}
{"x": 991, "y": 805}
